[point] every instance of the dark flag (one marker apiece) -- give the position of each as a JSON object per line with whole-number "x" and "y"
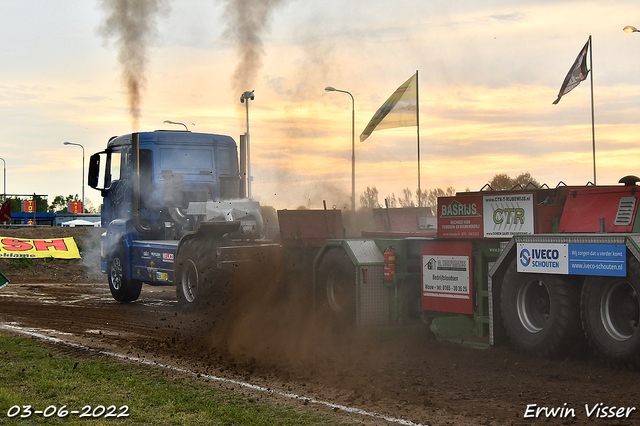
{"x": 577, "y": 73}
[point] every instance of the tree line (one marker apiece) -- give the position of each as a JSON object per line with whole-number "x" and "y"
{"x": 370, "y": 198}
{"x": 60, "y": 204}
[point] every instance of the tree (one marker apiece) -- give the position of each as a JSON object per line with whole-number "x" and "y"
{"x": 434, "y": 194}
{"x": 422, "y": 197}
{"x": 392, "y": 201}
{"x": 42, "y": 205}
{"x": 407, "y": 198}
{"x": 525, "y": 180}
{"x": 369, "y": 198}
{"x": 89, "y": 207}
{"x": 60, "y": 204}
{"x": 503, "y": 182}
{"x": 428, "y": 198}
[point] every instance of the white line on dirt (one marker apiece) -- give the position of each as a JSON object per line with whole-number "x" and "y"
{"x": 23, "y": 331}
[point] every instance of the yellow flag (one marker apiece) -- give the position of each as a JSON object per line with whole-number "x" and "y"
{"x": 61, "y": 248}
{"x": 400, "y": 110}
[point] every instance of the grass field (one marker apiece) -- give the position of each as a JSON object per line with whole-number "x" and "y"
{"x": 70, "y": 389}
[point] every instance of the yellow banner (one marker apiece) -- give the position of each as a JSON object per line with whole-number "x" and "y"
{"x": 61, "y": 248}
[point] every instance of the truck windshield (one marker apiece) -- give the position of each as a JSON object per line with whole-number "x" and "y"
{"x": 186, "y": 159}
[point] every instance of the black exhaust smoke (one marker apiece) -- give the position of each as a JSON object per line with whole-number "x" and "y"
{"x": 132, "y": 23}
{"x": 246, "y": 21}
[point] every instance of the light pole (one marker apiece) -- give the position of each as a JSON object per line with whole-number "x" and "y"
{"x": 630, "y": 29}
{"x": 4, "y": 194}
{"x": 353, "y": 144}
{"x": 176, "y": 122}
{"x": 77, "y": 144}
{"x": 245, "y": 97}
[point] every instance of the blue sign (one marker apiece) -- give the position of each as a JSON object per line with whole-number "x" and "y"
{"x": 598, "y": 259}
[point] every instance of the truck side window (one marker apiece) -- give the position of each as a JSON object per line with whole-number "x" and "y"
{"x": 116, "y": 159}
{"x": 224, "y": 161}
{"x": 146, "y": 171}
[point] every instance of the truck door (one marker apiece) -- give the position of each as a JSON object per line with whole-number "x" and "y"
{"x": 109, "y": 172}
{"x": 117, "y": 199}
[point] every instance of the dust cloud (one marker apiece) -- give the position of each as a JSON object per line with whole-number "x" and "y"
{"x": 262, "y": 316}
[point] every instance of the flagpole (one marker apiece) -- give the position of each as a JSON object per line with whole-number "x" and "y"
{"x": 593, "y": 125}
{"x": 418, "y": 136}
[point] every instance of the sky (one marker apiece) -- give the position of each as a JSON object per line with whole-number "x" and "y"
{"x": 488, "y": 74}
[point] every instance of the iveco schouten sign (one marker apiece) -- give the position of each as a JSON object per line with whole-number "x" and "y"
{"x": 572, "y": 259}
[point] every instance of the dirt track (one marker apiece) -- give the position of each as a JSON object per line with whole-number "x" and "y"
{"x": 416, "y": 377}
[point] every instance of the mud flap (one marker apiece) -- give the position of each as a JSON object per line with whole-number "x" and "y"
{"x": 372, "y": 297}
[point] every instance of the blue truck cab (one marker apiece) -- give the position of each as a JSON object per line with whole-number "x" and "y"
{"x": 149, "y": 181}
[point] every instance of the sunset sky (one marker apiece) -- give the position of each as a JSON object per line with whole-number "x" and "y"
{"x": 488, "y": 74}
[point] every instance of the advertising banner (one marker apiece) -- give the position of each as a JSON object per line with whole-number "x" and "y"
{"x": 28, "y": 206}
{"x": 446, "y": 276}
{"x": 75, "y": 206}
{"x": 598, "y": 259}
{"x": 5, "y": 212}
{"x": 460, "y": 217}
{"x": 543, "y": 258}
{"x": 61, "y": 248}
{"x": 486, "y": 216}
{"x": 508, "y": 215}
{"x": 573, "y": 259}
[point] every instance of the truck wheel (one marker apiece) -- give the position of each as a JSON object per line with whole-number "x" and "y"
{"x": 188, "y": 289}
{"x": 610, "y": 316}
{"x": 337, "y": 286}
{"x": 122, "y": 289}
{"x": 541, "y": 313}
{"x": 193, "y": 283}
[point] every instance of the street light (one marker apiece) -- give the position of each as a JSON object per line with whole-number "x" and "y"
{"x": 176, "y": 122}
{"x": 353, "y": 144}
{"x": 77, "y": 144}
{"x": 245, "y": 97}
{"x": 630, "y": 29}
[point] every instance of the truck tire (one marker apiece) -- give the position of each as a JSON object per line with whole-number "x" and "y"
{"x": 336, "y": 290}
{"x": 188, "y": 285}
{"x": 122, "y": 289}
{"x": 541, "y": 312}
{"x": 610, "y": 314}
{"x": 194, "y": 276}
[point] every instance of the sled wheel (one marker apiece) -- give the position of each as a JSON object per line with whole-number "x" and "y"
{"x": 541, "y": 313}
{"x": 610, "y": 315}
{"x": 337, "y": 286}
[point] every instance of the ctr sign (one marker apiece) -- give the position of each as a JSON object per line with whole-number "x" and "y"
{"x": 508, "y": 215}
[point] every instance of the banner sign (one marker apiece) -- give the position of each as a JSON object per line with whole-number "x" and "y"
{"x": 460, "y": 217}
{"x": 598, "y": 259}
{"x": 28, "y": 206}
{"x": 508, "y": 215}
{"x": 543, "y": 258}
{"x": 573, "y": 259}
{"x": 446, "y": 276}
{"x": 5, "y": 212}
{"x": 486, "y": 216}
{"x": 75, "y": 206}
{"x": 61, "y": 248}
